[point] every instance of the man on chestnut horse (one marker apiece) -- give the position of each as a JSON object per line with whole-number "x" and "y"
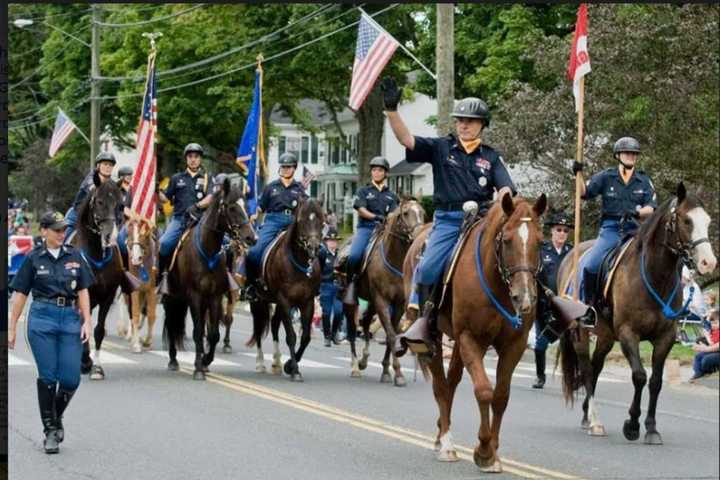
{"x": 373, "y": 203}
{"x": 464, "y": 169}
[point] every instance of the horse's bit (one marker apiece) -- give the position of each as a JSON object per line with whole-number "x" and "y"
{"x": 507, "y": 273}
{"x": 682, "y": 249}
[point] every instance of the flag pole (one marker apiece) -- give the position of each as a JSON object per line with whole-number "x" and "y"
{"x": 260, "y": 147}
{"x": 578, "y": 182}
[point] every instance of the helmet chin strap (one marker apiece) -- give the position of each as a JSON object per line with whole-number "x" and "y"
{"x": 626, "y": 167}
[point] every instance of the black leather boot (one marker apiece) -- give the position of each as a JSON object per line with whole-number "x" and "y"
{"x": 46, "y": 400}
{"x": 539, "y": 369}
{"x": 162, "y": 275}
{"x": 326, "y": 330}
{"x": 590, "y": 287}
{"x": 351, "y": 296}
{"x": 417, "y": 338}
{"x": 62, "y": 398}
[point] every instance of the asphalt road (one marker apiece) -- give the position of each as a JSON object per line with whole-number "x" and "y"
{"x": 144, "y": 422}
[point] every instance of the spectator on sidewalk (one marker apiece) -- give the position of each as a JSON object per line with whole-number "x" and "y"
{"x": 707, "y": 356}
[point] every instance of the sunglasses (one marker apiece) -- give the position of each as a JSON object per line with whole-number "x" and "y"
{"x": 59, "y": 230}
{"x": 562, "y": 230}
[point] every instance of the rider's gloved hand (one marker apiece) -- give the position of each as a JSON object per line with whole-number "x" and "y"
{"x": 391, "y": 94}
{"x": 379, "y": 218}
{"x": 194, "y": 212}
{"x": 577, "y": 167}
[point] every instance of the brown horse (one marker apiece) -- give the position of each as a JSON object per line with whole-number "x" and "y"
{"x": 293, "y": 280}
{"x": 199, "y": 278}
{"x": 381, "y": 283}
{"x": 236, "y": 254}
{"x": 494, "y": 276}
{"x": 648, "y": 274}
{"x": 96, "y": 239}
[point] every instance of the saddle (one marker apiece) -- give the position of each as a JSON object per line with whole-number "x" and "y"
{"x": 266, "y": 254}
{"x": 344, "y": 252}
{"x": 177, "y": 248}
{"x": 609, "y": 265}
{"x": 455, "y": 255}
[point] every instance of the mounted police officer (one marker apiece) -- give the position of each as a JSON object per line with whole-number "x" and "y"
{"x": 332, "y": 308}
{"x": 190, "y": 192}
{"x": 464, "y": 169}
{"x": 58, "y": 278}
{"x": 627, "y": 196}
{"x": 276, "y": 208}
{"x": 373, "y": 203}
{"x": 125, "y": 175}
{"x": 104, "y": 164}
{"x": 552, "y": 253}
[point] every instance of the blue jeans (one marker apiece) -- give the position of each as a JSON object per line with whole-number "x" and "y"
{"x": 71, "y": 219}
{"x": 122, "y": 239}
{"x": 443, "y": 237}
{"x": 706, "y": 362}
{"x": 609, "y": 236}
{"x": 332, "y": 307}
{"x": 54, "y": 337}
{"x": 171, "y": 236}
{"x": 359, "y": 244}
{"x": 272, "y": 225}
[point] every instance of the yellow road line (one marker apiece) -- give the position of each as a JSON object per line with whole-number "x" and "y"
{"x": 366, "y": 423}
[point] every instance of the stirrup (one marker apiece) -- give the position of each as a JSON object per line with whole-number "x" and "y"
{"x": 589, "y": 320}
{"x": 163, "y": 286}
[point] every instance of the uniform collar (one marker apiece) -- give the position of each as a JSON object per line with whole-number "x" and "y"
{"x": 374, "y": 185}
{"x": 635, "y": 175}
{"x": 292, "y": 182}
{"x": 45, "y": 251}
{"x": 456, "y": 143}
{"x": 190, "y": 174}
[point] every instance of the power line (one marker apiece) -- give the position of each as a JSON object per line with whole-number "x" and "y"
{"x": 56, "y": 15}
{"x": 41, "y": 120}
{"x": 249, "y": 65}
{"x": 152, "y": 20}
{"x": 83, "y": 86}
{"x": 199, "y": 63}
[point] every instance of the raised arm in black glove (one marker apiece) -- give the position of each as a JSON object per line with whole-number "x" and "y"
{"x": 379, "y": 218}
{"x": 577, "y": 167}
{"x": 391, "y": 94}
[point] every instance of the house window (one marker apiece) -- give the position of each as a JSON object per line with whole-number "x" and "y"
{"x": 313, "y": 189}
{"x": 334, "y": 148}
{"x": 305, "y": 152}
{"x": 314, "y": 149}
{"x": 281, "y": 146}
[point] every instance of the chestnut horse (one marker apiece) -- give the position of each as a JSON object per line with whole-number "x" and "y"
{"x": 96, "y": 239}
{"x": 381, "y": 283}
{"x": 199, "y": 278}
{"x": 494, "y": 277}
{"x": 292, "y": 278}
{"x": 647, "y": 276}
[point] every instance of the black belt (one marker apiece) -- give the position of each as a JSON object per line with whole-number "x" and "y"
{"x": 455, "y": 206}
{"x": 58, "y": 301}
{"x": 287, "y": 211}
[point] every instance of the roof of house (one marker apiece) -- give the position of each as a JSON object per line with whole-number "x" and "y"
{"x": 315, "y": 109}
{"x": 404, "y": 168}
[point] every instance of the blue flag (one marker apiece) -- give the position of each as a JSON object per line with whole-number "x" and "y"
{"x": 250, "y": 153}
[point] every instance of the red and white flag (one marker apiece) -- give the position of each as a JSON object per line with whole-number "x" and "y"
{"x": 579, "y": 64}
{"x": 63, "y": 129}
{"x": 143, "y": 184}
{"x": 374, "y": 49}
{"x": 307, "y": 177}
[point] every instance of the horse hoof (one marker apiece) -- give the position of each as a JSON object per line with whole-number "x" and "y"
{"x": 447, "y": 456}
{"x": 227, "y": 349}
{"x": 136, "y": 349}
{"x": 86, "y": 367}
{"x": 173, "y": 366}
{"x": 597, "y": 431}
{"x": 631, "y": 431}
{"x": 260, "y": 368}
{"x": 355, "y": 374}
{"x": 585, "y": 424}
{"x": 122, "y": 333}
{"x": 199, "y": 375}
{"x": 288, "y": 367}
{"x": 487, "y": 465}
{"x": 400, "y": 381}
{"x": 276, "y": 369}
{"x": 653, "y": 438}
{"x": 97, "y": 373}
{"x": 296, "y": 377}
{"x": 385, "y": 378}
{"x": 362, "y": 364}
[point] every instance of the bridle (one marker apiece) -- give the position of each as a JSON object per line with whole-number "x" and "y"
{"x": 683, "y": 250}
{"x": 400, "y": 229}
{"x": 506, "y": 273}
{"x": 303, "y": 243}
{"x": 96, "y": 221}
{"x": 234, "y": 229}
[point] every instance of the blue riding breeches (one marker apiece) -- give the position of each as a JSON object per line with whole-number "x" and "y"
{"x": 122, "y": 239}
{"x": 171, "y": 236}
{"x": 273, "y": 224}
{"x": 54, "y": 337}
{"x": 70, "y": 219}
{"x": 359, "y": 244}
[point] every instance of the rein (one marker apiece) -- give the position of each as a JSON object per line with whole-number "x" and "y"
{"x": 682, "y": 250}
{"x": 515, "y": 320}
{"x": 386, "y": 262}
{"x": 98, "y": 264}
{"x": 210, "y": 262}
{"x": 305, "y": 270}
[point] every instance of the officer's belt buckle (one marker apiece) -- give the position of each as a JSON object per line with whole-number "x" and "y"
{"x": 60, "y": 301}
{"x": 287, "y": 211}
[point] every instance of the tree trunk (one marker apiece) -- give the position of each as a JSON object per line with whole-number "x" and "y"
{"x": 445, "y": 67}
{"x": 371, "y": 120}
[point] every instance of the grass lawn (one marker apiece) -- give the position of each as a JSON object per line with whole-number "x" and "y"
{"x": 679, "y": 352}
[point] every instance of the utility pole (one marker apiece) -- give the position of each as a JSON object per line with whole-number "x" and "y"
{"x": 94, "y": 86}
{"x": 445, "y": 66}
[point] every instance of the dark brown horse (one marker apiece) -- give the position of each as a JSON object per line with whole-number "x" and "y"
{"x": 381, "y": 284}
{"x": 199, "y": 278}
{"x": 648, "y": 274}
{"x": 96, "y": 238}
{"x": 293, "y": 280}
{"x": 494, "y": 277}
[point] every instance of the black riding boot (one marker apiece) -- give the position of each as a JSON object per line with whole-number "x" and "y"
{"x": 590, "y": 287}
{"x": 539, "y": 368}
{"x": 162, "y": 275}
{"x": 61, "y": 402}
{"x": 46, "y": 400}
{"x": 336, "y": 321}
{"x": 417, "y": 337}
{"x": 326, "y": 330}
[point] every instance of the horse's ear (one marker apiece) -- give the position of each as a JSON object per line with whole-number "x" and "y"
{"x": 540, "y": 205}
{"x": 226, "y": 187}
{"x": 681, "y": 192}
{"x": 507, "y": 204}
{"x": 96, "y": 178}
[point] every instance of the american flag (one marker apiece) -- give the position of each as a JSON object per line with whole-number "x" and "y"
{"x": 143, "y": 184}
{"x": 63, "y": 128}
{"x": 374, "y": 49}
{"x": 307, "y": 177}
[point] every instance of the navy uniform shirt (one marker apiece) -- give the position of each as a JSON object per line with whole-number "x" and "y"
{"x": 276, "y": 197}
{"x": 378, "y": 202}
{"x": 327, "y": 264}
{"x": 85, "y": 187}
{"x": 184, "y": 190}
{"x": 617, "y": 197}
{"x": 550, "y": 260}
{"x": 50, "y": 277}
{"x": 126, "y": 201}
{"x": 459, "y": 176}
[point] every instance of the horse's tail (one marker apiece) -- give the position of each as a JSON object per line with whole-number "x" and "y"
{"x": 174, "y": 323}
{"x": 567, "y": 358}
{"x": 261, "y": 324}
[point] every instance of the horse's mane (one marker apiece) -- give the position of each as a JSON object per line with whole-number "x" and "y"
{"x": 649, "y": 227}
{"x": 305, "y": 204}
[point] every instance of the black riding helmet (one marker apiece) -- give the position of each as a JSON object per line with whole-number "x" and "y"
{"x": 560, "y": 218}
{"x": 194, "y": 147}
{"x": 105, "y": 157}
{"x": 288, "y": 159}
{"x": 472, "y": 107}
{"x": 625, "y": 144}
{"x": 125, "y": 171}
{"x": 379, "y": 162}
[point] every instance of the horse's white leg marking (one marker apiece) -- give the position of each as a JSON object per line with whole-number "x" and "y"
{"x": 704, "y": 256}
{"x": 447, "y": 451}
{"x": 260, "y": 360}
